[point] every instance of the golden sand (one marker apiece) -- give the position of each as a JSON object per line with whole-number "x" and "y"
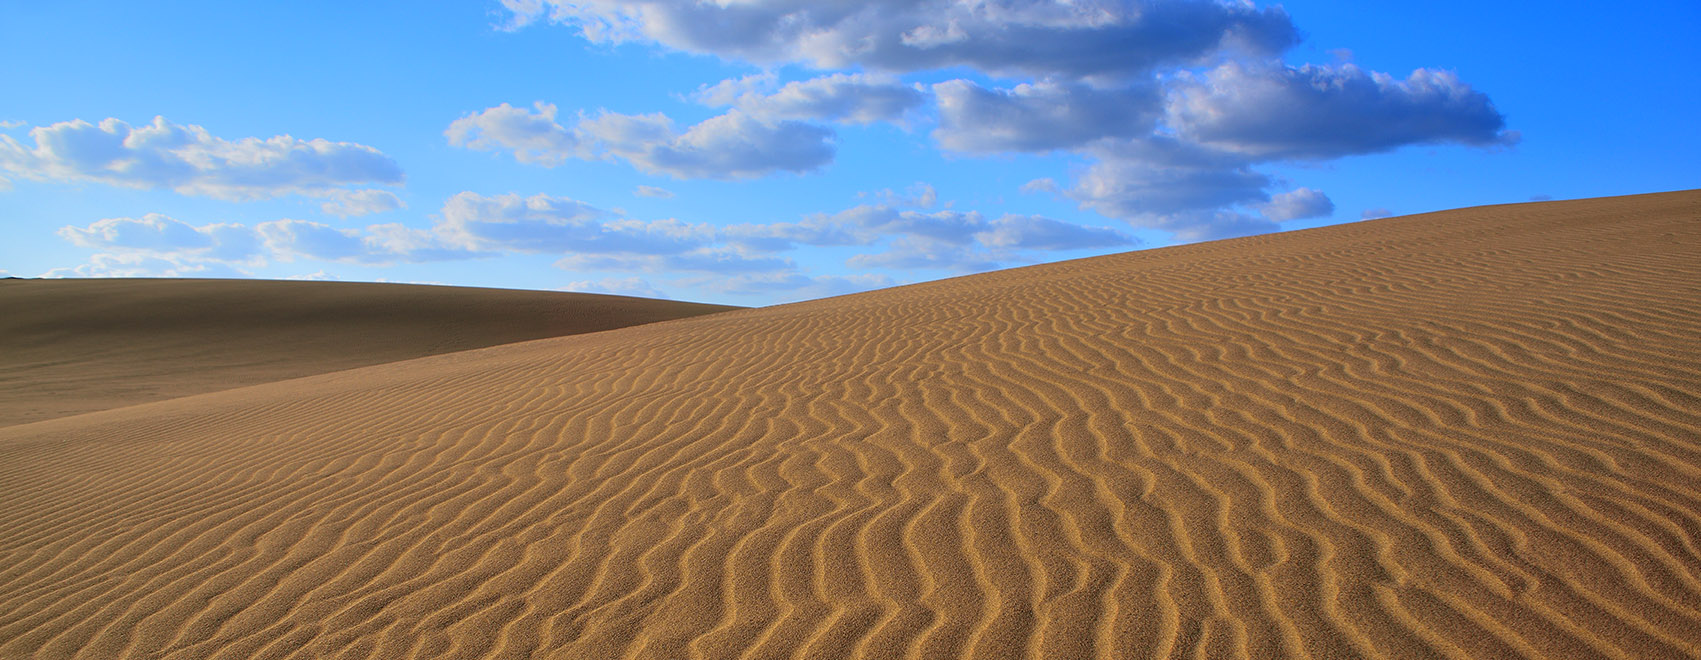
{"x": 1468, "y": 434}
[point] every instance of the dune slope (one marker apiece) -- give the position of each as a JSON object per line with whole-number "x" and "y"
{"x": 72, "y": 346}
{"x": 1462, "y": 434}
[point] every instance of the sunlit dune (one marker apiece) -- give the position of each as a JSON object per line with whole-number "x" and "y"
{"x": 1467, "y": 434}
{"x": 73, "y": 346}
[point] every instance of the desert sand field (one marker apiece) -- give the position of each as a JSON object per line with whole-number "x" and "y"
{"x": 1467, "y": 434}
{"x": 74, "y": 346}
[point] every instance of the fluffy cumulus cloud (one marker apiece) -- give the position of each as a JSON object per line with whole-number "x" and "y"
{"x": 1275, "y": 111}
{"x": 853, "y": 98}
{"x": 534, "y": 137}
{"x": 352, "y": 203}
{"x": 1298, "y": 204}
{"x": 1168, "y": 184}
{"x": 1040, "y": 117}
{"x": 163, "y": 237}
{"x": 1076, "y": 38}
{"x": 730, "y": 146}
{"x": 1175, "y": 105}
{"x": 192, "y": 161}
{"x": 734, "y": 145}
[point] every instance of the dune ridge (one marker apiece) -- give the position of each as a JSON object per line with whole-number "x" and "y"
{"x": 1454, "y": 435}
{"x": 79, "y": 345}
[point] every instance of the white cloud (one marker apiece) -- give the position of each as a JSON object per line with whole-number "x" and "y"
{"x": 1039, "y": 117}
{"x": 1298, "y": 204}
{"x": 730, "y": 146}
{"x": 315, "y": 276}
{"x": 164, "y": 237}
{"x": 1372, "y": 214}
{"x": 191, "y": 161}
{"x": 142, "y": 265}
{"x": 1032, "y": 232}
{"x": 1042, "y": 184}
{"x": 652, "y": 191}
{"x": 1275, "y": 111}
{"x": 1031, "y": 37}
{"x": 546, "y": 224}
{"x": 534, "y": 137}
{"x": 1173, "y": 103}
{"x": 854, "y": 98}
{"x": 1173, "y": 186}
{"x": 353, "y": 203}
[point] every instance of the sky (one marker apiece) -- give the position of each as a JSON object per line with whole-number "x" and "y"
{"x": 756, "y": 152}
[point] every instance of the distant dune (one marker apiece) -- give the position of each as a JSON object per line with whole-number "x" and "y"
{"x": 72, "y": 346}
{"x": 1468, "y": 434}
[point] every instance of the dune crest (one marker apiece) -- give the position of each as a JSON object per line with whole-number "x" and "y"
{"x": 1464, "y": 434}
{"x": 79, "y": 345}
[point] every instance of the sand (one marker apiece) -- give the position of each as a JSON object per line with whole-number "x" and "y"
{"x": 1468, "y": 434}
{"x": 76, "y": 346}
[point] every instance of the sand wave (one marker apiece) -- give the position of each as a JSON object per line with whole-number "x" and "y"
{"x": 1466, "y": 434}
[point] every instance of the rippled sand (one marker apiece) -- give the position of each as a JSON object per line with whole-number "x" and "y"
{"x": 1474, "y": 433}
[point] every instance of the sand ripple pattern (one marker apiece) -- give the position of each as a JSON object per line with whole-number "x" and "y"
{"x": 1462, "y": 435}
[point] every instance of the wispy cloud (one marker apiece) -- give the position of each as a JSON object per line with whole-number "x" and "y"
{"x": 191, "y": 161}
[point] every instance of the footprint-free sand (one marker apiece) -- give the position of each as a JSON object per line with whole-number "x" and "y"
{"x": 77, "y": 345}
{"x": 1467, "y": 434}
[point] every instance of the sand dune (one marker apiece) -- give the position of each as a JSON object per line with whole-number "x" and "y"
{"x": 72, "y": 346}
{"x": 1468, "y": 434}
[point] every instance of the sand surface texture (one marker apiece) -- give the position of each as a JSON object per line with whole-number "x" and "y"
{"x": 1470, "y": 434}
{"x": 75, "y": 346}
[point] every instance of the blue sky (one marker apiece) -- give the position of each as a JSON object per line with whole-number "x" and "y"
{"x": 775, "y": 150}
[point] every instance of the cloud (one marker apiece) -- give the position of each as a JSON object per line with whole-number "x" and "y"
{"x": 191, "y": 161}
{"x": 1042, "y": 184}
{"x": 1032, "y": 232}
{"x": 353, "y": 203}
{"x": 618, "y": 286}
{"x": 1372, "y": 214}
{"x": 922, "y": 253}
{"x": 721, "y": 259}
{"x": 302, "y": 238}
{"x": 1170, "y": 185}
{"x": 1041, "y": 116}
{"x": 730, "y": 146}
{"x": 142, "y": 265}
{"x": 734, "y": 145}
{"x": 1028, "y": 37}
{"x": 315, "y": 276}
{"x": 947, "y": 239}
{"x": 1298, "y": 204}
{"x": 854, "y": 98}
{"x": 533, "y": 137}
{"x": 546, "y": 224}
{"x": 1282, "y": 112}
{"x": 652, "y": 191}
{"x": 164, "y": 237}
{"x": 225, "y": 245}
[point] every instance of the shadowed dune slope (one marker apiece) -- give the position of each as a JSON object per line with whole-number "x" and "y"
{"x": 1467, "y": 434}
{"x": 72, "y": 346}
